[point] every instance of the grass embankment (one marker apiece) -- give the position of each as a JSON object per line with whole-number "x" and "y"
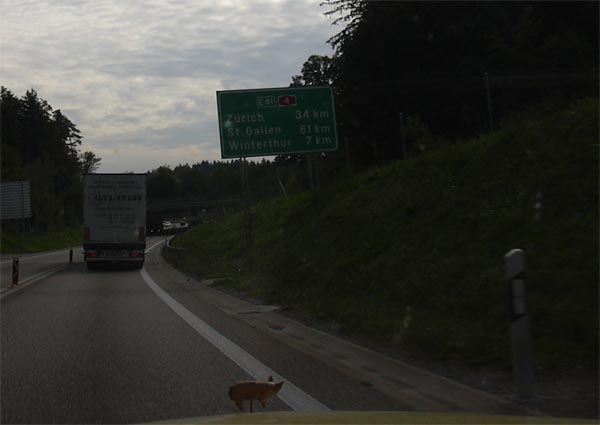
{"x": 14, "y": 243}
{"x": 412, "y": 254}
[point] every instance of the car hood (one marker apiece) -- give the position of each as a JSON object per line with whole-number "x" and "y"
{"x": 373, "y": 418}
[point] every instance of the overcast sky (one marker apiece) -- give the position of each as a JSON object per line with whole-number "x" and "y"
{"x": 139, "y": 78}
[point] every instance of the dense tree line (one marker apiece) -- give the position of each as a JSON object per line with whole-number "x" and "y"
{"x": 218, "y": 180}
{"x": 429, "y": 60}
{"x": 406, "y": 77}
{"x": 41, "y": 145}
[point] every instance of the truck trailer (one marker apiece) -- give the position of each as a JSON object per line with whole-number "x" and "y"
{"x": 114, "y": 213}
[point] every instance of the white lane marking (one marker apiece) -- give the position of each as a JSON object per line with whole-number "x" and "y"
{"x": 293, "y": 396}
{"x": 37, "y": 256}
{"x": 30, "y": 281}
{"x": 153, "y": 246}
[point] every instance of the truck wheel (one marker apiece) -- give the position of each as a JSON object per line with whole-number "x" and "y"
{"x": 139, "y": 266}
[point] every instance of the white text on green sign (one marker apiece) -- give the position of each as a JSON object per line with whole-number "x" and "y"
{"x": 276, "y": 121}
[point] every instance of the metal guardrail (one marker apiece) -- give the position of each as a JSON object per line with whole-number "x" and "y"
{"x": 171, "y": 252}
{"x": 167, "y": 204}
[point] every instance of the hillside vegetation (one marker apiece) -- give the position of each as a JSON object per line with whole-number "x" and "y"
{"x": 14, "y": 243}
{"x": 412, "y": 254}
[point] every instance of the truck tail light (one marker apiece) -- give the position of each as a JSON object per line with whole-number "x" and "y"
{"x": 142, "y": 234}
{"x": 137, "y": 253}
{"x": 91, "y": 254}
{"x": 86, "y": 234}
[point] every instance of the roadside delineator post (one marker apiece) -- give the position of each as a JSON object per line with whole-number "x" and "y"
{"x": 514, "y": 262}
{"x": 15, "y": 272}
{"x": 70, "y": 255}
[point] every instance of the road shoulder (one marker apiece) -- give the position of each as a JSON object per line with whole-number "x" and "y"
{"x": 418, "y": 388}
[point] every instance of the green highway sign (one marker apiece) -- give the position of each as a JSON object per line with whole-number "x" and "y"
{"x": 276, "y": 121}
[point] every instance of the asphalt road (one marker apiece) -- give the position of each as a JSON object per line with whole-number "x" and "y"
{"x": 101, "y": 347}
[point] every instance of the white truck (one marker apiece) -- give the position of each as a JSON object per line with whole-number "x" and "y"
{"x": 114, "y": 215}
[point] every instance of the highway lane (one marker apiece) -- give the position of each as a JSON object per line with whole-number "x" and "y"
{"x": 102, "y": 347}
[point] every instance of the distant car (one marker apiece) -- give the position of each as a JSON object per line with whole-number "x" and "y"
{"x": 167, "y": 225}
{"x": 179, "y": 225}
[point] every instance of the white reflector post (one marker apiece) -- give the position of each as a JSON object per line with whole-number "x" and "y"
{"x": 514, "y": 262}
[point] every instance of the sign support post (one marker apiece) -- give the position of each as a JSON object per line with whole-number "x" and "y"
{"x": 489, "y": 100}
{"x": 311, "y": 174}
{"x": 403, "y": 136}
{"x": 347, "y": 156}
{"x": 246, "y": 206}
{"x": 276, "y": 121}
{"x": 317, "y": 175}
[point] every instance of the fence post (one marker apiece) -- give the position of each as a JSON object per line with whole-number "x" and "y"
{"x": 519, "y": 325}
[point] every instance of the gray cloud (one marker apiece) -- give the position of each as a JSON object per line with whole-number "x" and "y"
{"x": 139, "y": 78}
